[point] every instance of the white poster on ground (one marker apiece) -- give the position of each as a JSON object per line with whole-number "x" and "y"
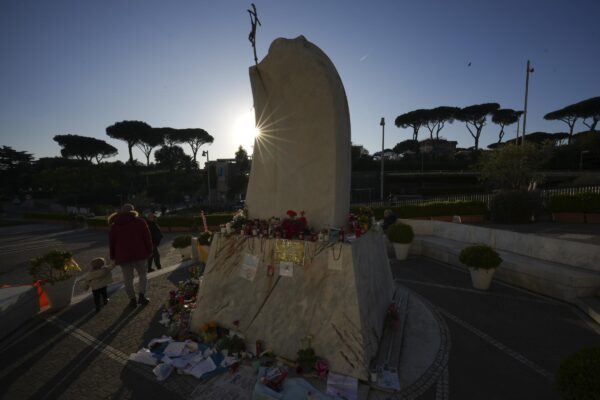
{"x": 249, "y": 266}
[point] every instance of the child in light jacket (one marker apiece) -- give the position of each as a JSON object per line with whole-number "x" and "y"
{"x": 97, "y": 279}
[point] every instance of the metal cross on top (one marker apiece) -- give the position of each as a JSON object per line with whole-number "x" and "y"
{"x": 252, "y": 36}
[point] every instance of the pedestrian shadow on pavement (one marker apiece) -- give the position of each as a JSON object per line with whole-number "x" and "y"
{"x": 23, "y": 351}
{"x": 69, "y": 373}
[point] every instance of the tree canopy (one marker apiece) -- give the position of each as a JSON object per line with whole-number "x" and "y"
{"x": 11, "y": 158}
{"x": 413, "y": 119}
{"x": 436, "y": 118}
{"x": 589, "y": 109}
{"x": 195, "y": 137}
{"x": 84, "y": 147}
{"x": 475, "y": 117}
{"x": 406, "y": 145}
{"x": 239, "y": 183}
{"x": 514, "y": 167}
{"x": 505, "y": 117}
{"x": 242, "y": 161}
{"x": 171, "y": 136}
{"x": 130, "y": 132}
{"x": 535, "y": 137}
{"x": 148, "y": 141}
{"x": 569, "y": 115}
{"x": 173, "y": 157}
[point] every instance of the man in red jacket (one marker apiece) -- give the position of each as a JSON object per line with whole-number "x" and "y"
{"x": 130, "y": 247}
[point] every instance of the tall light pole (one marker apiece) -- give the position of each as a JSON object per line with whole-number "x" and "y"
{"x": 205, "y": 153}
{"x": 527, "y": 71}
{"x": 382, "y": 123}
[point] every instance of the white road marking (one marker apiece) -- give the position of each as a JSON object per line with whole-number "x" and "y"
{"x": 481, "y": 292}
{"x": 505, "y": 349}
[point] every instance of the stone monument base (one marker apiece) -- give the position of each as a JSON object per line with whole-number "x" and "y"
{"x": 338, "y": 296}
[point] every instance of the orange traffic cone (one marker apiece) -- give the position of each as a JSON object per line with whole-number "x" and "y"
{"x": 41, "y": 295}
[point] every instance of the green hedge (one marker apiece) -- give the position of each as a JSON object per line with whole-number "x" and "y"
{"x": 97, "y": 222}
{"x": 586, "y": 202}
{"x": 189, "y": 220}
{"x": 578, "y": 376}
{"x": 515, "y": 206}
{"x": 433, "y": 209}
{"x": 218, "y": 219}
{"x": 167, "y": 222}
{"x": 48, "y": 216}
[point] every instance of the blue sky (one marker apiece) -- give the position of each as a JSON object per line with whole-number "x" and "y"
{"x": 79, "y": 66}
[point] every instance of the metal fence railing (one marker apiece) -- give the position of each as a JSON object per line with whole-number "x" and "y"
{"x": 485, "y": 197}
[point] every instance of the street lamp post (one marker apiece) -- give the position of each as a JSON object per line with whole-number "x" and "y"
{"x": 382, "y": 123}
{"x": 527, "y": 71}
{"x": 205, "y": 153}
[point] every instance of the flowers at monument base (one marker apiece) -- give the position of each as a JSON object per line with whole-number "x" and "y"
{"x": 214, "y": 349}
{"x": 292, "y": 227}
{"x": 182, "y": 301}
{"x": 361, "y": 221}
{"x": 239, "y": 220}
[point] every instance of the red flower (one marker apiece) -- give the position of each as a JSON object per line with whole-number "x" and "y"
{"x": 291, "y": 213}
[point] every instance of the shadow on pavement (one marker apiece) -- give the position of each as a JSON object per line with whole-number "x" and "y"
{"x": 69, "y": 373}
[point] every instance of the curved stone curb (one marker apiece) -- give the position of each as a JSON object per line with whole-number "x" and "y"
{"x": 439, "y": 364}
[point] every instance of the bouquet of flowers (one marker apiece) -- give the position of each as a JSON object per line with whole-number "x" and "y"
{"x": 293, "y": 226}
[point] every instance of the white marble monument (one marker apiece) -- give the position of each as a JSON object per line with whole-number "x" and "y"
{"x": 301, "y": 160}
{"x": 337, "y": 293}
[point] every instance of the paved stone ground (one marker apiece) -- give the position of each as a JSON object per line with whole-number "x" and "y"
{"x": 506, "y": 343}
{"x": 76, "y": 353}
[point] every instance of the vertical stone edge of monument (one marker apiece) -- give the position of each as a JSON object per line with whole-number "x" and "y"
{"x": 375, "y": 288}
{"x": 340, "y": 143}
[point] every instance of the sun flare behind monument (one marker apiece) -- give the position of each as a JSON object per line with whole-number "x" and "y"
{"x": 245, "y": 130}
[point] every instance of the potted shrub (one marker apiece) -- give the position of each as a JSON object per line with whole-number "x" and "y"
{"x": 577, "y": 375}
{"x": 204, "y": 240}
{"x": 56, "y": 271}
{"x": 401, "y": 236}
{"x": 482, "y": 262}
{"x": 183, "y": 244}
